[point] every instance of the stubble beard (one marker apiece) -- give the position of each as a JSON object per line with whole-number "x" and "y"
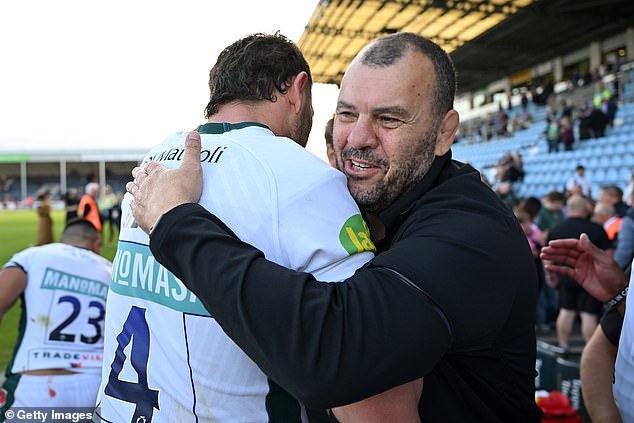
{"x": 400, "y": 179}
{"x": 302, "y": 126}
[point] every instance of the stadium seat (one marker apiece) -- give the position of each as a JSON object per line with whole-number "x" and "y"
{"x": 625, "y": 174}
{"x": 603, "y": 162}
{"x": 616, "y": 161}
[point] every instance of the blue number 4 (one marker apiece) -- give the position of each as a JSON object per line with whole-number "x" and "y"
{"x": 135, "y": 329}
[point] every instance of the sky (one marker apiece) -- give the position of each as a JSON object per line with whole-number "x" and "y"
{"x": 125, "y": 73}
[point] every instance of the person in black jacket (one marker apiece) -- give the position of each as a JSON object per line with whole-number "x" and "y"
{"x": 450, "y": 297}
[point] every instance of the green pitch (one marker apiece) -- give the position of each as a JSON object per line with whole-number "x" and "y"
{"x": 18, "y": 230}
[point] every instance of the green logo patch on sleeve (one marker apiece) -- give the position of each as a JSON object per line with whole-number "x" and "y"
{"x": 355, "y": 236}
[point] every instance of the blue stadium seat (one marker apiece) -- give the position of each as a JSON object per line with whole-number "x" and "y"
{"x": 611, "y": 176}
{"x": 604, "y": 162}
{"x": 620, "y": 148}
{"x": 599, "y": 176}
{"x": 625, "y": 174}
{"x": 616, "y": 161}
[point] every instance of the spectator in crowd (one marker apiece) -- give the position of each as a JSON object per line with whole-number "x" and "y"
{"x": 597, "y": 122}
{"x": 88, "y": 208}
{"x": 105, "y": 204}
{"x": 502, "y": 165}
{"x": 527, "y": 120}
{"x": 606, "y": 383}
{"x": 553, "y": 134}
{"x": 605, "y": 216}
{"x": 610, "y": 107}
{"x": 393, "y": 131}
{"x": 532, "y": 232}
{"x": 579, "y": 183}
{"x": 534, "y": 236}
{"x": 532, "y": 206}
{"x": 601, "y": 94}
{"x": 565, "y": 109}
{"x": 526, "y": 212}
{"x": 500, "y": 122}
{"x": 524, "y": 102}
{"x": 516, "y": 123}
{"x": 567, "y": 134}
{"x": 510, "y": 168}
{"x": 573, "y": 300}
{"x": 552, "y": 210}
{"x": 514, "y": 172}
{"x": 583, "y": 117}
{"x": 44, "y": 220}
{"x": 613, "y": 195}
{"x": 535, "y": 239}
{"x": 71, "y": 201}
{"x": 116, "y": 212}
{"x": 550, "y": 213}
{"x": 63, "y": 286}
{"x": 486, "y": 129}
{"x": 504, "y": 190}
{"x": 551, "y": 113}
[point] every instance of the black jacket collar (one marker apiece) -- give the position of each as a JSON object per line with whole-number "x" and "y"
{"x": 393, "y": 216}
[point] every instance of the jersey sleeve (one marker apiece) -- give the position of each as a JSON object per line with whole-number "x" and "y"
{"x": 322, "y": 231}
{"x": 611, "y": 323}
{"x": 21, "y": 260}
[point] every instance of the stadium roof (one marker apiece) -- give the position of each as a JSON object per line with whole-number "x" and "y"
{"x": 487, "y": 39}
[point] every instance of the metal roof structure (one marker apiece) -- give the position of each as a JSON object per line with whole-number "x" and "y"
{"x": 487, "y": 39}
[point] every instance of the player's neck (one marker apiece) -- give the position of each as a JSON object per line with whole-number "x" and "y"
{"x": 264, "y": 112}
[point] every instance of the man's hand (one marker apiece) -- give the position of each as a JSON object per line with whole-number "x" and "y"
{"x": 594, "y": 269}
{"x": 157, "y": 190}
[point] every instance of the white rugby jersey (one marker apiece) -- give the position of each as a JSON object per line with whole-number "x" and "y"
{"x": 165, "y": 357}
{"x": 63, "y": 309}
{"x": 623, "y": 388}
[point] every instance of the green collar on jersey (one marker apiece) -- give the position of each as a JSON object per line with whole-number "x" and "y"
{"x": 220, "y": 128}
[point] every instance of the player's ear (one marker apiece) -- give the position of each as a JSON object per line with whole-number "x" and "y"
{"x": 297, "y": 91}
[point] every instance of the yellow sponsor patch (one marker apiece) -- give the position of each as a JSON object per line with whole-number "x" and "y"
{"x": 355, "y": 236}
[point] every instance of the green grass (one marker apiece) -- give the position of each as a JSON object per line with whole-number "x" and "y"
{"x": 18, "y": 230}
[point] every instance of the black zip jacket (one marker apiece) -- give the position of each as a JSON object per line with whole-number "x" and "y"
{"x": 451, "y": 296}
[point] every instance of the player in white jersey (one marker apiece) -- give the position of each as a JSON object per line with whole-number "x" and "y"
{"x": 165, "y": 357}
{"x": 63, "y": 287}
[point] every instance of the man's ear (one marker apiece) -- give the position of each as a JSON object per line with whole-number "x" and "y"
{"x": 446, "y": 132}
{"x": 296, "y": 91}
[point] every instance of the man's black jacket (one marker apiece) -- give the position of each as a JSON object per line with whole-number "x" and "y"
{"x": 451, "y": 297}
